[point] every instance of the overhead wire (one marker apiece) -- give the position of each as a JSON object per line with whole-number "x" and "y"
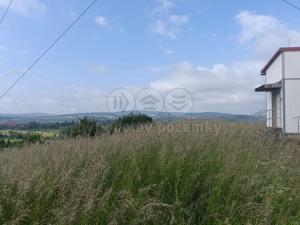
{"x": 48, "y": 49}
{"x": 6, "y": 11}
{"x": 291, "y": 4}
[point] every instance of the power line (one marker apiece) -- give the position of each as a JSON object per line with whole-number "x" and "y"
{"x": 6, "y": 11}
{"x": 48, "y": 49}
{"x": 291, "y": 4}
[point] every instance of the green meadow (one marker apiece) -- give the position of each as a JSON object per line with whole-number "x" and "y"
{"x": 238, "y": 175}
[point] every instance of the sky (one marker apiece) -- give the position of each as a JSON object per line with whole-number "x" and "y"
{"x": 213, "y": 49}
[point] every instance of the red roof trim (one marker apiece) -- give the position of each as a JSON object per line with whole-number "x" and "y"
{"x": 275, "y": 56}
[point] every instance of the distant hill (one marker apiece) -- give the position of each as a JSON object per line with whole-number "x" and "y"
{"x": 51, "y": 118}
{"x": 104, "y": 116}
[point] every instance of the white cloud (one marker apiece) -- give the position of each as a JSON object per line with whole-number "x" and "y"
{"x": 230, "y": 88}
{"x": 24, "y": 7}
{"x": 164, "y": 6}
{"x": 72, "y": 99}
{"x": 220, "y": 88}
{"x": 265, "y": 33}
{"x": 167, "y": 24}
{"x": 178, "y": 19}
{"x": 169, "y": 27}
{"x": 101, "y": 21}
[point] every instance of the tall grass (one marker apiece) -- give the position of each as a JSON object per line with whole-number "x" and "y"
{"x": 237, "y": 176}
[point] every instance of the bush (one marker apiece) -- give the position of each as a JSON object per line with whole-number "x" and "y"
{"x": 31, "y": 138}
{"x": 3, "y": 143}
{"x": 18, "y": 139}
{"x": 85, "y": 127}
{"x": 130, "y": 121}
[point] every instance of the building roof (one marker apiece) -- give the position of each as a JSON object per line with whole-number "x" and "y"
{"x": 276, "y": 55}
{"x": 269, "y": 87}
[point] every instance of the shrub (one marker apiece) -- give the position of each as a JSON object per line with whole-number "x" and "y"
{"x": 18, "y": 139}
{"x": 85, "y": 127}
{"x": 31, "y": 138}
{"x": 130, "y": 121}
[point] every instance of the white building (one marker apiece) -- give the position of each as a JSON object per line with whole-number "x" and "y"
{"x": 282, "y": 87}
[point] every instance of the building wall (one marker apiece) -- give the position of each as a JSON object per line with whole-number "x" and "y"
{"x": 292, "y": 65}
{"x": 282, "y": 108}
{"x": 269, "y": 107}
{"x": 274, "y": 73}
{"x": 292, "y": 105}
{"x": 286, "y": 67}
{"x": 278, "y": 108}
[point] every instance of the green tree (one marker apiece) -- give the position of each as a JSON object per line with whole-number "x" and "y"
{"x": 131, "y": 120}
{"x": 31, "y": 138}
{"x": 85, "y": 127}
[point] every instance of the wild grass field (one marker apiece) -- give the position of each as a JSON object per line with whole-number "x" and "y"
{"x": 239, "y": 175}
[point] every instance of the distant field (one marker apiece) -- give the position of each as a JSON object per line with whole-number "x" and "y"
{"x": 44, "y": 133}
{"x": 226, "y": 173}
{"x": 104, "y": 117}
{"x": 13, "y": 140}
